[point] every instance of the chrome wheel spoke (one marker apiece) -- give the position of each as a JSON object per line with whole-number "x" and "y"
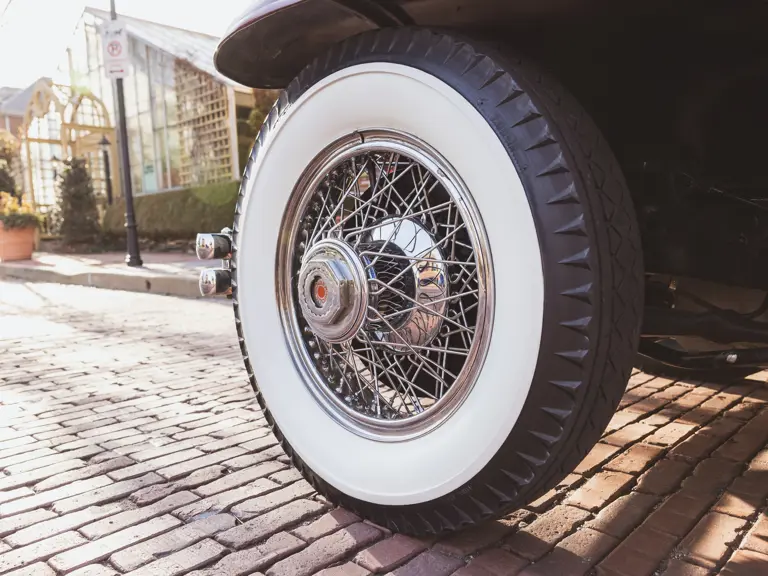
{"x": 384, "y": 274}
{"x": 424, "y": 307}
{"x": 410, "y": 347}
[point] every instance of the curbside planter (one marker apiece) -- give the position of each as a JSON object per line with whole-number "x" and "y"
{"x": 16, "y": 243}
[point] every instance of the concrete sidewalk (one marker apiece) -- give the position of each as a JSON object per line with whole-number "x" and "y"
{"x": 162, "y": 273}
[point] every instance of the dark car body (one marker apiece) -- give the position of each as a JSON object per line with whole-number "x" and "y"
{"x": 273, "y": 39}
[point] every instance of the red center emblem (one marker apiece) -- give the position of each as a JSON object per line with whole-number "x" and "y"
{"x": 321, "y": 292}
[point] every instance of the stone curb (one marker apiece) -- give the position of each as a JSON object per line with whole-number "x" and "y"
{"x": 185, "y": 286}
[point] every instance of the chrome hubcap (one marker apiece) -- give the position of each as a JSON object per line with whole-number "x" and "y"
{"x": 386, "y": 285}
{"x": 334, "y": 278}
{"x": 332, "y": 291}
{"x": 403, "y": 255}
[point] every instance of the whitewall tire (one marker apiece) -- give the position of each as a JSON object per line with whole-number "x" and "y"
{"x": 535, "y": 386}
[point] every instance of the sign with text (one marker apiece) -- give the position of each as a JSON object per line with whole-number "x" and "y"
{"x": 114, "y": 39}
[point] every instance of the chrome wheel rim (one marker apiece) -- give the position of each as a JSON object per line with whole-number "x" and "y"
{"x": 385, "y": 285}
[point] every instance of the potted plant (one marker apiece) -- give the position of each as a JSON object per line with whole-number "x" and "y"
{"x": 18, "y": 225}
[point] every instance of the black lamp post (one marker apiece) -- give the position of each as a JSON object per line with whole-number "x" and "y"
{"x": 133, "y": 258}
{"x": 104, "y": 145}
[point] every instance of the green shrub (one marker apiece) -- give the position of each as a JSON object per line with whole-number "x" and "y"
{"x": 179, "y": 214}
{"x": 77, "y": 215}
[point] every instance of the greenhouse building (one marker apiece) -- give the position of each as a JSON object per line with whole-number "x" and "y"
{"x": 182, "y": 116}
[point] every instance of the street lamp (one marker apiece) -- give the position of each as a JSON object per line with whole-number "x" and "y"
{"x": 132, "y": 238}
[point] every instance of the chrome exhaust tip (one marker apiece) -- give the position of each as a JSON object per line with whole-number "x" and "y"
{"x": 213, "y": 246}
{"x": 215, "y": 282}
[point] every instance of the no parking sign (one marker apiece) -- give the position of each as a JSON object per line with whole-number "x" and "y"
{"x": 114, "y": 39}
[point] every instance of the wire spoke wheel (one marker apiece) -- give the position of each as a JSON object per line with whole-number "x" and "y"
{"x": 411, "y": 374}
{"x": 386, "y": 282}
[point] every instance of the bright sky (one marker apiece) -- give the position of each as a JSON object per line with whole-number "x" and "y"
{"x": 34, "y": 33}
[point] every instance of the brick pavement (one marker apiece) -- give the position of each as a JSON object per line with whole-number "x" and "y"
{"x": 130, "y": 443}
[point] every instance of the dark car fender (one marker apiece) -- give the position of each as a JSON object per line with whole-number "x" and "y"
{"x": 269, "y": 43}
{"x": 272, "y": 40}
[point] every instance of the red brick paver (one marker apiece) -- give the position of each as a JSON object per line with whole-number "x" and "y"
{"x": 130, "y": 443}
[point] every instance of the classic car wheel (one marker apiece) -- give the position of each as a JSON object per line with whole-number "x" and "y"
{"x": 437, "y": 279}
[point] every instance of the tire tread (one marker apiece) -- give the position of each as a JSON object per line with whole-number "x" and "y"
{"x": 566, "y": 420}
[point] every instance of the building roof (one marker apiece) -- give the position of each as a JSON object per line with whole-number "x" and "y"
{"x": 194, "y": 47}
{"x": 16, "y": 101}
{"x": 7, "y": 92}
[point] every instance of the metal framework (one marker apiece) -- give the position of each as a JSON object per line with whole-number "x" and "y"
{"x": 58, "y": 123}
{"x": 204, "y": 124}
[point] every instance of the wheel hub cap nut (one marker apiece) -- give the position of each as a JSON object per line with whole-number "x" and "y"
{"x": 331, "y": 291}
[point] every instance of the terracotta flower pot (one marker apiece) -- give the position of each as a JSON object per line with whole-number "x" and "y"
{"x": 16, "y": 243}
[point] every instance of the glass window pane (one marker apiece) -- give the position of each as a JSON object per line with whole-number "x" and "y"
{"x": 174, "y": 150}
{"x": 78, "y": 57}
{"x": 148, "y": 169}
{"x": 107, "y": 97}
{"x": 94, "y": 83}
{"x": 140, "y": 73}
{"x": 170, "y": 106}
{"x": 90, "y": 42}
{"x": 157, "y": 90}
{"x": 134, "y": 147}
{"x": 162, "y": 168}
{"x": 129, "y": 89}
{"x": 168, "y": 71}
{"x": 97, "y": 55}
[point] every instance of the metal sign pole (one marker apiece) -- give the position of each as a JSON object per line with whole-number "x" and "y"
{"x": 133, "y": 258}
